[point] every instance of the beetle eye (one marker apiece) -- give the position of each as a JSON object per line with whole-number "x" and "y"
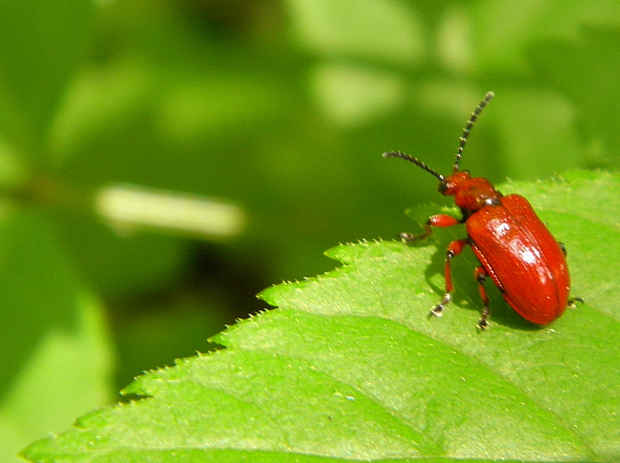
{"x": 442, "y": 187}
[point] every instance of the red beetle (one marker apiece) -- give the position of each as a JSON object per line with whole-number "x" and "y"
{"x": 513, "y": 245}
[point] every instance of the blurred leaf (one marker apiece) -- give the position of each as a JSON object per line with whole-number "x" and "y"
{"x": 536, "y": 133}
{"x": 120, "y": 264}
{"x": 509, "y": 27}
{"x": 371, "y": 29}
{"x": 350, "y": 367}
{"x": 55, "y": 348}
{"x": 163, "y": 330}
{"x": 354, "y": 95}
{"x": 587, "y": 72}
{"x": 41, "y": 43}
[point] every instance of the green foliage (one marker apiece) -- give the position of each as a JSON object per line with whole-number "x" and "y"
{"x": 52, "y": 319}
{"x": 42, "y": 43}
{"x": 349, "y": 366}
{"x": 281, "y": 109}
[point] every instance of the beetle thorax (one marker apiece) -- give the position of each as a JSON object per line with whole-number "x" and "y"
{"x": 470, "y": 194}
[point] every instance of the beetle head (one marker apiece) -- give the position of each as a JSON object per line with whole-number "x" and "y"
{"x": 469, "y": 193}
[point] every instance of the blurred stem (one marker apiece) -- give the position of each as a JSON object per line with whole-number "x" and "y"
{"x": 132, "y": 208}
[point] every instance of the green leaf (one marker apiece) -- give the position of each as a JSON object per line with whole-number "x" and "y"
{"x": 350, "y": 367}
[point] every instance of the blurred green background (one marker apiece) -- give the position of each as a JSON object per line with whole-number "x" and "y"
{"x": 280, "y": 110}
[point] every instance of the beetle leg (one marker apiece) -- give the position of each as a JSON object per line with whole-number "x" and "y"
{"x": 563, "y": 248}
{"x": 409, "y": 237}
{"x": 439, "y": 220}
{"x": 572, "y": 300}
{"x": 454, "y": 249}
{"x": 481, "y": 274}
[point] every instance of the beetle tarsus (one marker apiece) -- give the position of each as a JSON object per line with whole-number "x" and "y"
{"x": 572, "y": 300}
{"x": 410, "y": 237}
{"x": 483, "y": 323}
{"x": 437, "y": 310}
{"x": 480, "y": 274}
{"x": 407, "y": 237}
{"x": 563, "y": 248}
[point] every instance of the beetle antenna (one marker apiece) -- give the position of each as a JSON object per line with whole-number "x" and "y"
{"x": 416, "y": 161}
{"x": 467, "y": 129}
